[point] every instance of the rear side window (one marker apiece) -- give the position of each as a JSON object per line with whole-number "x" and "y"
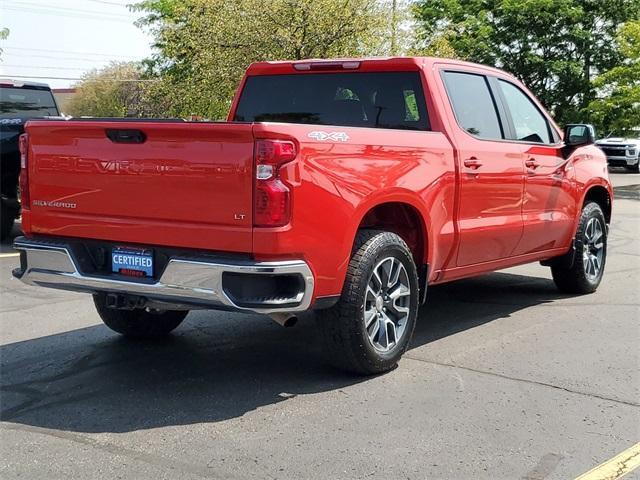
{"x": 473, "y": 104}
{"x": 530, "y": 125}
{"x": 354, "y": 99}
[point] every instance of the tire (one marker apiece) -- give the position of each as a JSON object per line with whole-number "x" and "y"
{"x": 634, "y": 168}
{"x": 138, "y": 323}
{"x": 585, "y": 274}
{"x": 347, "y": 341}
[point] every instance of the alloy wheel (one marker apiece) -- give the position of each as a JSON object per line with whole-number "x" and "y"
{"x": 593, "y": 249}
{"x": 387, "y": 304}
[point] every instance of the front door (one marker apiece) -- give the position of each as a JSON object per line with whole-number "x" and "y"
{"x": 549, "y": 207}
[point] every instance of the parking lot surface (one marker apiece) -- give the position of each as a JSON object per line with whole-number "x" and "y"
{"x": 506, "y": 378}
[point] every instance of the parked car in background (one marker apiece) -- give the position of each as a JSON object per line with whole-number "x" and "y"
{"x": 622, "y": 152}
{"x": 19, "y": 102}
{"x": 341, "y": 186}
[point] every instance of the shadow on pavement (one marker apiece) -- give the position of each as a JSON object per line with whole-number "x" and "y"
{"x": 6, "y": 244}
{"x": 629, "y": 192}
{"x": 217, "y": 366}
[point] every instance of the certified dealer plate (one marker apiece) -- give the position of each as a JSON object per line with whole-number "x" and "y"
{"x": 133, "y": 262}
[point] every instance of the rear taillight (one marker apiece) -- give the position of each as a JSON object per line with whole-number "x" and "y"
{"x": 272, "y": 202}
{"x": 23, "y": 145}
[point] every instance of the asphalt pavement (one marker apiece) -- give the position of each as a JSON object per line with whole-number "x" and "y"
{"x": 506, "y": 379}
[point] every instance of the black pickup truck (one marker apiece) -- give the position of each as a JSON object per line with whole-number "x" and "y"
{"x": 19, "y": 102}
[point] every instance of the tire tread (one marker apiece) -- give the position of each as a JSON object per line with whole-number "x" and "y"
{"x": 573, "y": 279}
{"x": 341, "y": 335}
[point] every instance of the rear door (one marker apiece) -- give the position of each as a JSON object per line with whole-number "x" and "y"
{"x": 491, "y": 172}
{"x": 165, "y": 183}
{"x": 549, "y": 207}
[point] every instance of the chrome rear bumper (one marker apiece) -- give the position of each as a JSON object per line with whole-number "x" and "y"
{"x": 184, "y": 281}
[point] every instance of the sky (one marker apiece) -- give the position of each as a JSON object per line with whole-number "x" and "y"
{"x": 65, "y": 38}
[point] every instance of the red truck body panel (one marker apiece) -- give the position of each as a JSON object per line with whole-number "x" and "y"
{"x": 335, "y": 185}
{"x": 181, "y": 187}
{"x": 191, "y": 185}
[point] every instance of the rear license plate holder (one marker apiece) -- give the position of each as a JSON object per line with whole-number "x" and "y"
{"x": 133, "y": 262}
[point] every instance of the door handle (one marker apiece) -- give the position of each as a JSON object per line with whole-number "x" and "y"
{"x": 472, "y": 163}
{"x": 531, "y": 163}
{"x": 118, "y": 135}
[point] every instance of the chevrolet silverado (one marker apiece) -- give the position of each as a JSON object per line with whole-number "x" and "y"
{"x": 342, "y": 186}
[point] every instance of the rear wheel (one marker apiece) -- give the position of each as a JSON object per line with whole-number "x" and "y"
{"x": 138, "y": 323}
{"x": 585, "y": 274}
{"x": 370, "y": 327}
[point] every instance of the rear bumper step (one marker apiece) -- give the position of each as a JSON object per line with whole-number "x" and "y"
{"x": 285, "y": 286}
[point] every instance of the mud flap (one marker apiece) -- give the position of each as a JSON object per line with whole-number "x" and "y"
{"x": 563, "y": 261}
{"x": 423, "y": 275}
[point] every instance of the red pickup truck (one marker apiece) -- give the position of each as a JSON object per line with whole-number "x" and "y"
{"x": 343, "y": 186}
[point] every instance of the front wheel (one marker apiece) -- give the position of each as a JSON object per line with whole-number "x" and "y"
{"x": 370, "y": 327}
{"x": 585, "y": 274}
{"x": 138, "y": 323}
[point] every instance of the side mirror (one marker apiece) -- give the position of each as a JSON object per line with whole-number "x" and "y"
{"x": 577, "y": 135}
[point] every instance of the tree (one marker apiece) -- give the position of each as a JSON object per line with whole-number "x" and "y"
{"x": 555, "y": 47}
{"x": 396, "y": 35}
{"x": 115, "y": 91}
{"x": 437, "y": 46}
{"x": 617, "y": 110}
{"x": 4, "y": 34}
{"x": 203, "y": 46}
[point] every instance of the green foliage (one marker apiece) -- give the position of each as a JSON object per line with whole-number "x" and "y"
{"x": 555, "y": 47}
{"x": 617, "y": 110}
{"x": 438, "y": 45}
{"x": 115, "y": 91}
{"x": 203, "y": 46}
{"x": 4, "y": 34}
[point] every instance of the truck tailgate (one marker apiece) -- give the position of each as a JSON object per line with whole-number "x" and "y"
{"x": 165, "y": 183}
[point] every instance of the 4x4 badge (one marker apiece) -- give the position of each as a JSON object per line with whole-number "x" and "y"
{"x": 322, "y": 136}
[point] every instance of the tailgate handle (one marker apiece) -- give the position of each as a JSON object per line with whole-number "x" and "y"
{"x": 118, "y": 135}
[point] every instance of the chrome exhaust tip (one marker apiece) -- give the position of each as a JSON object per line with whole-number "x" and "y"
{"x": 286, "y": 320}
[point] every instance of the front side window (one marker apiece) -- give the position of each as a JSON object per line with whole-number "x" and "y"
{"x": 530, "y": 125}
{"x": 355, "y": 99}
{"x": 473, "y": 104}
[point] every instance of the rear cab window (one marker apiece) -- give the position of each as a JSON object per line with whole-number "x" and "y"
{"x": 393, "y": 100}
{"x": 26, "y": 102}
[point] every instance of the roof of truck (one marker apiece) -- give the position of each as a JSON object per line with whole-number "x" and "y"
{"x": 21, "y": 83}
{"x": 359, "y": 64}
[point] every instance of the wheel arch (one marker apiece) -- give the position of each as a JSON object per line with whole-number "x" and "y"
{"x": 405, "y": 218}
{"x": 601, "y": 195}
{"x": 402, "y": 219}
